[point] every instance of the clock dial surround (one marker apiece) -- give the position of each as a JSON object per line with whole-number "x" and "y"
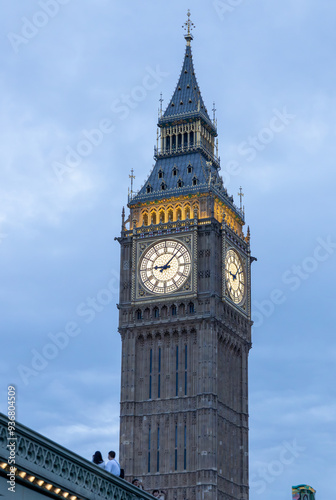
{"x": 165, "y": 267}
{"x": 235, "y": 277}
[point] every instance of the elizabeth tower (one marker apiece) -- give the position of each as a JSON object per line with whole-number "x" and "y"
{"x": 185, "y": 314}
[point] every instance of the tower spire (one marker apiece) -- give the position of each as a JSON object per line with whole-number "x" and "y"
{"x": 188, "y": 26}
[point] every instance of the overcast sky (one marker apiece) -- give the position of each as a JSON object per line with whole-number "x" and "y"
{"x": 80, "y": 88}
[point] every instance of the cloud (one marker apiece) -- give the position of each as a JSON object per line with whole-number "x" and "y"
{"x": 59, "y": 248}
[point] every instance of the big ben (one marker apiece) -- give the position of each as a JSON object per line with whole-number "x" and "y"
{"x": 185, "y": 313}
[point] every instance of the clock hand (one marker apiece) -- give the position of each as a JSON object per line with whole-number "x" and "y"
{"x": 164, "y": 268}
{"x": 172, "y": 257}
{"x": 234, "y": 276}
{"x": 166, "y": 265}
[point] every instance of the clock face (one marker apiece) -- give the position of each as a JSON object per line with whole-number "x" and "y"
{"x": 235, "y": 277}
{"x": 165, "y": 267}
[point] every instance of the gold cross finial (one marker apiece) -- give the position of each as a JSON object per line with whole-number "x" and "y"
{"x": 188, "y": 26}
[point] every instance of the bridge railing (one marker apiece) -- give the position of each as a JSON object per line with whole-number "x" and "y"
{"x": 48, "y": 468}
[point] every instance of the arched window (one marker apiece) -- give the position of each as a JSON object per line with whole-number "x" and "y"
{"x": 156, "y": 312}
{"x": 189, "y": 168}
{"x": 173, "y": 310}
{"x": 161, "y": 216}
{"x": 163, "y": 186}
{"x": 148, "y": 189}
{"x": 194, "y": 181}
{"x": 181, "y": 309}
{"x": 174, "y": 142}
{"x": 187, "y": 212}
{"x": 191, "y": 139}
{"x": 179, "y": 214}
{"x": 164, "y": 311}
{"x": 138, "y": 314}
{"x": 179, "y": 141}
{"x": 153, "y": 217}
{"x": 145, "y": 219}
{"x": 167, "y": 144}
{"x": 170, "y": 215}
{"x": 179, "y": 183}
{"x": 174, "y": 171}
{"x": 191, "y": 308}
{"x": 160, "y": 173}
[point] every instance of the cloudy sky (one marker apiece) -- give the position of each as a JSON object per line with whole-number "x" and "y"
{"x": 80, "y": 88}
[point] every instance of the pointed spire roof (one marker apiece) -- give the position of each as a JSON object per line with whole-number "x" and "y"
{"x": 187, "y": 101}
{"x": 187, "y": 96}
{"x": 188, "y": 167}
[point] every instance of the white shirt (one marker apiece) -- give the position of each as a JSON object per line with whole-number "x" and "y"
{"x": 113, "y": 467}
{"x": 101, "y": 465}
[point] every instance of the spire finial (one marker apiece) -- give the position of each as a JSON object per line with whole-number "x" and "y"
{"x": 241, "y": 194}
{"x": 248, "y": 236}
{"x": 188, "y": 26}
{"x": 214, "y": 112}
{"x": 132, "y": 177}
{"x": 161, "y": 101}
{"x": 123, "y": 219}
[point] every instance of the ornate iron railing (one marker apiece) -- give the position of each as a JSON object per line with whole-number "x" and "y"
{"x": 47, "y": 467}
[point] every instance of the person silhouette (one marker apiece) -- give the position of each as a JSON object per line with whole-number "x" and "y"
{"x": 98, "y": 459}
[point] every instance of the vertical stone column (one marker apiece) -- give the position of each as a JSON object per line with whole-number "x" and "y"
{"x": 244, "y": 423}
{"x": 127, "y": 420}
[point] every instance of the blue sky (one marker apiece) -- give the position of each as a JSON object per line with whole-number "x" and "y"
{"x": 95, "y": 70}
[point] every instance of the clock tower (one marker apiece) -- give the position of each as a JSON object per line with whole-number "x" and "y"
{"x": 185, "y": 314}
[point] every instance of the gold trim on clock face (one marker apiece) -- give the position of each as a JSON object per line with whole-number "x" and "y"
{"x": 235, "y": 277}
{"x": 165, "y": 267}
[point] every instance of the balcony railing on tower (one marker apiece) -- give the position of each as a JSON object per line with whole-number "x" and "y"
{"x": 200, "y": 145}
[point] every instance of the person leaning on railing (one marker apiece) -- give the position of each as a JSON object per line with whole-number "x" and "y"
{"x": 98, "y": 459}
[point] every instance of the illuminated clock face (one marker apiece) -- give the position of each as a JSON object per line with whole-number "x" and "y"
{"x": 165, "y": 267}
{"x": 235, "y": 278}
